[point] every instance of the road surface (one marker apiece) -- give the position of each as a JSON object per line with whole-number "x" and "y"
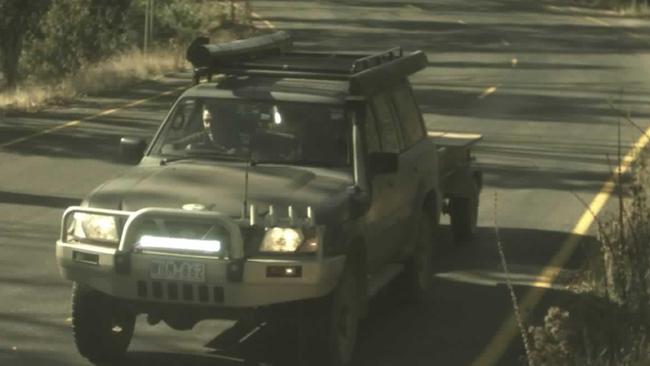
{"x": 536, "y": 78}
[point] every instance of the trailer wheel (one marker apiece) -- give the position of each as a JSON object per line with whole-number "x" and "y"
{"x": 463, "y": 212}
{"x": 102, "y": 329}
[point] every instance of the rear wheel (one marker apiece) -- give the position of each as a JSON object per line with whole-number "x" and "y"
{"x": 463, "y": 212}
{"x": 102, "y": 328}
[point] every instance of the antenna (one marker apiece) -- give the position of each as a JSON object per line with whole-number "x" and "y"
{"x": 245, "y": 208}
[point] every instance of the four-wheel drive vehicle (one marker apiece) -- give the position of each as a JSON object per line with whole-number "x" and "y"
{"x": 290, "y": 189}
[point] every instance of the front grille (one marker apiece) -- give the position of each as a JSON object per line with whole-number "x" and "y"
{"x": 182, "y": 292}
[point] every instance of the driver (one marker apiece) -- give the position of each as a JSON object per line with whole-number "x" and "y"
{"x": 204, "y": 139}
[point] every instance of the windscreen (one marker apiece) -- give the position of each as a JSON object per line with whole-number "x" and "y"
{"x": 262, "y": 132}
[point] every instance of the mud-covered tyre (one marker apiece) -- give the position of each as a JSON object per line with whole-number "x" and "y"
{"x": 463, "y": 212}
{"x": 415, "y": 281}
{"x": 102, "y": 328}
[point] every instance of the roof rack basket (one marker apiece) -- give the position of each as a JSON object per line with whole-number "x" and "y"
{"x": 272, "y": 55}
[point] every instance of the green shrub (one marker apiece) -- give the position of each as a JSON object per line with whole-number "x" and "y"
{"x": 74, "y": 33}
{"x": 77, "y": 33}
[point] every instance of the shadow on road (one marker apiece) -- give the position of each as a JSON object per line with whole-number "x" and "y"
{"x": 38, "y": 200}
{"x": 139, "y": 358}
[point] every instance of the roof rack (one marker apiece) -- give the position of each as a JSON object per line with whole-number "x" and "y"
{"x": 272, "y": 55}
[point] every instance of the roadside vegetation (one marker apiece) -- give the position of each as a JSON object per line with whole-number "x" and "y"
{"x": 52, "y": 50}
{"x": 608, "y": 320}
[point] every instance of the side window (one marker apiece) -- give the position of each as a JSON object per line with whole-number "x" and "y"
{"x": 409, "y": 115}
{"x": 372, "y": 135}
{"x": 388, "y": 129}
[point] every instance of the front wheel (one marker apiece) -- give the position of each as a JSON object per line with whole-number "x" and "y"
{"x": 321, "y": 332}
{"x": 102, "y": 328}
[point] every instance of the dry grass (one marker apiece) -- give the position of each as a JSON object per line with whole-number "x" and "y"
{"x": 608, "y": 322}
{"x": 114, "y": 73}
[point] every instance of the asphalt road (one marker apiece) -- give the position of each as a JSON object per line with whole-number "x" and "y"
{"x": 535, "y": 78}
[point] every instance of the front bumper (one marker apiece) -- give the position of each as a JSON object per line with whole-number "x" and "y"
{"x": 256, "y": 288}
{"x": 254, "y": 284}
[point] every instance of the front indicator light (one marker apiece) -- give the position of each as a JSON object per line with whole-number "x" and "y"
{"x": 284, "y": 271}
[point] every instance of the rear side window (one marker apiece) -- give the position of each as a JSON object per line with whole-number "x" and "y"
{"x": 389, "y": 133}
{"x": 409, "y": 115}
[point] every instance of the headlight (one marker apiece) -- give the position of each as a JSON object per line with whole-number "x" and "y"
{"x": 95, "y": 227}
{"x": 288, "y": 240}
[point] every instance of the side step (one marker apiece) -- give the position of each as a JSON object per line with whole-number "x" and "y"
{"x": 380, "y": 279}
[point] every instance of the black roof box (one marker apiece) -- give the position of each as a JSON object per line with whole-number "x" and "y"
{"x": 202, "y": 54}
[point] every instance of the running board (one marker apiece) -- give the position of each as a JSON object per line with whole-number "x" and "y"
{"x": 380, "y": 279}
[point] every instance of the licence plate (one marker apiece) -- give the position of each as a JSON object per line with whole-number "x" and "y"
{"x": 177, "y": 270}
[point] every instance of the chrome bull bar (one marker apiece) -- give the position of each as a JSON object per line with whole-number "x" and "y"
{"x": 134, "y": 219}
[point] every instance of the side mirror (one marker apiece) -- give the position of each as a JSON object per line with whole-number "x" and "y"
{"x": 383, "y": 162}
{"x": 132, "y": 149}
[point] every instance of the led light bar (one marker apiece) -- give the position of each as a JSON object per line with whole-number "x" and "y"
{"x": 179, "y": 244}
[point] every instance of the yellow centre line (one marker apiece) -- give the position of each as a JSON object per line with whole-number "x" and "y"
{"x": 268, "y": 24}
{"x": 508, "y": 330}
{"x": 602, "y": 22}
{"x": 89, "y": 118}
{"x": 487, "y": 92}
{"x": 598, "y": 21}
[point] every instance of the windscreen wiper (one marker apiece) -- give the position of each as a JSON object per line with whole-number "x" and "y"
{"x": 202, "y": 156}
{"x": 320, "y": 164}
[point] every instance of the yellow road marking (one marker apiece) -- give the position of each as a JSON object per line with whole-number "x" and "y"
{"x": 602, "y": 22}
{"x": 598, "y": 21}
{"x": 633, "y": 35}
{"x": 89, "y": 118}
{"x": 268, "y": 24}
{"x": 487, "y": 92}
{"x": 508, "y": 330}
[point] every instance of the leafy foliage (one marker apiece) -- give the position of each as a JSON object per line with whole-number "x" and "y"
{"x": 77, "y": 32}
{"x": 18, "y": 19}
{"x": 50, "y": 39}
